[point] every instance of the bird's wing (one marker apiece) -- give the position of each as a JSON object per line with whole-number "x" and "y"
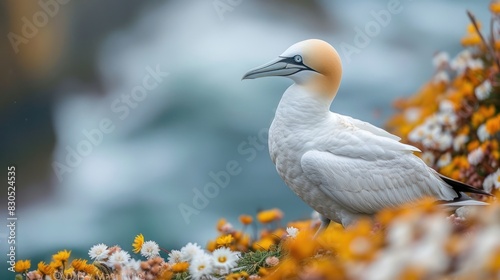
{"x": 367, "y": 186}
{"x": 369, "y": 127}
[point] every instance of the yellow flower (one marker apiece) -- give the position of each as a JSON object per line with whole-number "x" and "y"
{"x": 263, "y": 244}
{"x": 246, "y": 219}
{"x": 220, "y": 224}
{"x": 268, "y": 216}
{"x": 225, "y": 240}
{"x": 471, "y": 28}
{"x": 56, "y": 264}
{"x": 495, "y": 7}
{"x": 69, "y": 273}
{"x": 22, "y": 266}
{"x": 180, "y": 267}
{"x": 90, "y": 269}
{"x": 212, "y": 245}
{"x": 237, "y": 275}
{"x": 138, "y": 242}
{"x": 45, "y": 269}
{"x": 302, "y": 246}
{"x": 482, "y": 114}
{"x": 79, "y": 264}
{"x": 61, "y": 256}
{"x": 493, "y": 125}
{"x": 471, "y": 40}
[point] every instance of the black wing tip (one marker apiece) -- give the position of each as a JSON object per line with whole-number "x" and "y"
{"x": 462, "y": 187}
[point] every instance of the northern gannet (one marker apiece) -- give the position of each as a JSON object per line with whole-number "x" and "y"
{"x": 342, "y": 167}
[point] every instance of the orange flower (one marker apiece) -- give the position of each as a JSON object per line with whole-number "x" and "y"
{"x": 246, "y": 219}
{"x": 495, "y": 7}
{"x": 61, "y": 256}
{"x": 45, "y": 269}
{"x": 493, "y": 125}
{"x": 268, "y": 216}
{"x": 79, "y": 264}
{"x": 90, "y": 269}
{"x": 263, "y": 244}
{"x": 22, "y": 266}
{"x": 471, "y": 40}
{"x": 180, "y": 267}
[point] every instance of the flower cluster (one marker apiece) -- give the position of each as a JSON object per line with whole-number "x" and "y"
{"x": 455, "y": 117}
{"x": 59, "y": 268}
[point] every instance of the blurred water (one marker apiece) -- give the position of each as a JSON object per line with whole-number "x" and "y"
{"x": 200, "y": 116}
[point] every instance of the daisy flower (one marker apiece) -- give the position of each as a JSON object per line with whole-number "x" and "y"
{"x": 225, "y": 259}
{"x": 189, "y": 251}
{"x": 138, "y": 242}
{"x": 175, "y": 256}
{"x": 150, "y": 249}
{"x": 440, "y": 59}
{"x": 483, "y": 90}
{"x": 482, "y": 133}
{"x": 492, "y": 181}
{"x": 444, "y": 160}
{"x": 119, "y": 258}
{"x": 292, "y": 232}
{"x": 476, "y": 156}
{"x": 99, "y": 252}
{"x": 201, "y": 266}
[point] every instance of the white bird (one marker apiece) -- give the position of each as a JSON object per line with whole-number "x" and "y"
{"x": 342, "y": 167}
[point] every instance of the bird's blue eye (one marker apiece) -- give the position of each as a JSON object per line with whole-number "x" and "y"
{"x": 297, "y": 58}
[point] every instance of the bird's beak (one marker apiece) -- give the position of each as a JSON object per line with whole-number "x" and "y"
{"x": 281, "y": 66}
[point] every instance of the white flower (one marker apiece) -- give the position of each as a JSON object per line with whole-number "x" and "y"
{"x": 418, "y": 133}
{"x": 440, "y": 59}
{"x": 428, "y": 158}
{"x": 492, "y": 180}
{"x": 99, "y": 252}
{"x": 459, "y": 63}
{"x": 444, "y": 160}
{"x": 446, "y": 106}
{"x": 225, "y": 259}
{"x": 189, "y": 251}
{"x": 459, "y": 142}
{"x": 150, "y": 249}
{"x": 227, "y": 228}
{"x": 175, "y": 256}
{"x": 119, "y": 258}
{"x": 412, "y": 114}
{"x": 475, "y": 64}
{"x": 444, "y": 141}
{"x": 482, "y": 133}
{"x": 134, "y": 264}
{"x": 201, "y": 266}
{"x": 441, "y": 76}
{"x": 475, "y": 157}
{"x": 448, "y": 119}
{"x": 483, "y": 90}
{"x": 292, "y": 232}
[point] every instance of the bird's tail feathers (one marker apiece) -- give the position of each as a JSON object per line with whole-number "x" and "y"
{"x": 460, "y": 203}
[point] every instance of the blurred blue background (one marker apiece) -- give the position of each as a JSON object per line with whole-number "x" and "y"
{"x": 76, "y": 67}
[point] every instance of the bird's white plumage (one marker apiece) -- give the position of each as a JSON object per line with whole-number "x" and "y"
{"x": 343, "y": 167}
{"x": 340, "y": 166}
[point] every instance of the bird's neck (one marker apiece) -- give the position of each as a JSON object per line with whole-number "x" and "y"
{"x": 299, "y": 105}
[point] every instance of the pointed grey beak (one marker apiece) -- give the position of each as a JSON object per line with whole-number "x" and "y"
{"x": 281, "y": 66}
